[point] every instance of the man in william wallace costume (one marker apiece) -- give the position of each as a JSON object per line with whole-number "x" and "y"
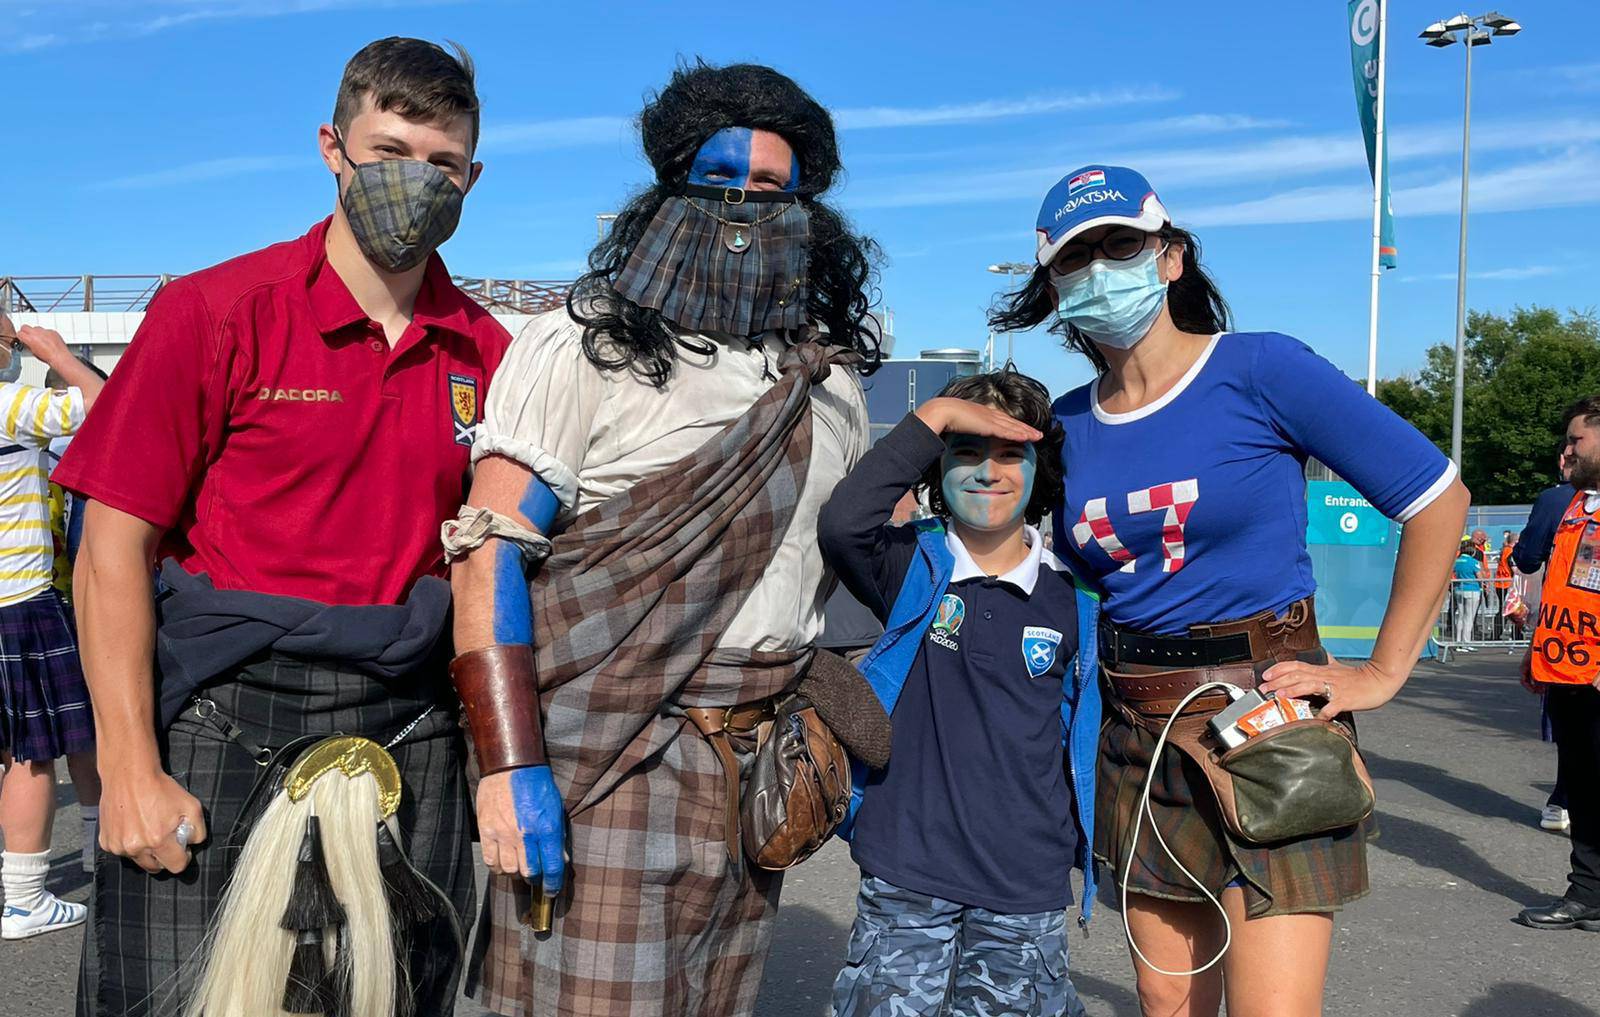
{"x": 643, "y": 516}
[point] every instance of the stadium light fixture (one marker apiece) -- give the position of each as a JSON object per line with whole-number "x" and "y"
{"x": 1009, "y": 269}
{"x": 1479, "y": 31}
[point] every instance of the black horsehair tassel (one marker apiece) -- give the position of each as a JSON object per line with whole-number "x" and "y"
{"x": 410, "y": 900}
{"x": 308, "y": 989}
{"x": 312, "y": 904}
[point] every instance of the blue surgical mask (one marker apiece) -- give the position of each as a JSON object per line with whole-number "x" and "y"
{"x": 13, "y": 369}
{"x": 1113, "y": 302}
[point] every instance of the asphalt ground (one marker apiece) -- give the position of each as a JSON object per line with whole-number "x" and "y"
{"x": 1461, "y": 775}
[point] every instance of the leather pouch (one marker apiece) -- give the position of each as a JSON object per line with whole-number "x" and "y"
{"x": 798, "y": 790}
{"x": 1298, "y": 780}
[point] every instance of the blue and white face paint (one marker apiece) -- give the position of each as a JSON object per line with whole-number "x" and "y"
{"x": 730, "y": 252}
{"x": 730, "y": 157}
{"x": 987, "y": 482}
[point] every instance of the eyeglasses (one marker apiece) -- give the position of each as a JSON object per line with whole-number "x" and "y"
{"x": 1120, "y": 244}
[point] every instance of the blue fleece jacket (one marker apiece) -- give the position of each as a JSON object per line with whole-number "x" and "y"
{"x": 920, "y": 552}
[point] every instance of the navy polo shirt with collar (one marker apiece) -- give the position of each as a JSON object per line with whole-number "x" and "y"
{"x": 975, "y": 805}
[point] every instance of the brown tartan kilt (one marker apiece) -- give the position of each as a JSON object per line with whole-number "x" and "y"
{"x": 657, "y": 920}
{"x": 1308, "y": 875}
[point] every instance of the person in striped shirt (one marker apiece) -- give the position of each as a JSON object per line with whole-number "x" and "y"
{"x": 44, "y": 703}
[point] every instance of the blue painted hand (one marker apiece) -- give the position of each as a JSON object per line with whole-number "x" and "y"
{"x": 541, "y": 818}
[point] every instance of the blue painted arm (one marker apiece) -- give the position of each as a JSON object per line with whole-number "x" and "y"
{"x": 540, "y": 815}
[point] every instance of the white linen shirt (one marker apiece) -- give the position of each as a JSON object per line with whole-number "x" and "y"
{"x": 591, "y": 434}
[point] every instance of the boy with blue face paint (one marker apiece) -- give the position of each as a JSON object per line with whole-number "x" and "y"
{"x": 987, "y": 669}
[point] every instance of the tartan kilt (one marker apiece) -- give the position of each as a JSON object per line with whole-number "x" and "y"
{"x": 44, "y": 701}
{"x": 656, "y": 921}
{"x": 144, "y": 929}
{"x": 1309, "y": 875}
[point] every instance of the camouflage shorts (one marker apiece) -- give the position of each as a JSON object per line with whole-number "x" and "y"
{"x": 912, "y": 955}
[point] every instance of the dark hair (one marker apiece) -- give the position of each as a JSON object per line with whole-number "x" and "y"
{"x": 1193, "y": 300}
{"x": 53, "y": 379}
{"x": 411, "y": 77}
{"x": 1026, "y": 399}
{"x": 699, "y": 101}
{"x": 1588, "y": 408}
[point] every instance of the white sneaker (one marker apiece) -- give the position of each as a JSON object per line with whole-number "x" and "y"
{"x": 51, "y": 915}
{"x": 1554, "y": 817}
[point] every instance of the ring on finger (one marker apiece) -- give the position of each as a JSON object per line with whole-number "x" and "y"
{"x": 1327, "y": 691}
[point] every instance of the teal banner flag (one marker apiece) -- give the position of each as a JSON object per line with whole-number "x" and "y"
{"x": 1364, "y": 67}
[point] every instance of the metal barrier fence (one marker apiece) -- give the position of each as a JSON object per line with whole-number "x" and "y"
{"x": 1473, "y": 617}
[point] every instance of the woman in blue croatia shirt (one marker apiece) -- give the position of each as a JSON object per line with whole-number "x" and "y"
{"x": 1184, "y": 499}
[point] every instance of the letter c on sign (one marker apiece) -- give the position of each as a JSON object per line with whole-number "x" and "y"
{"x": 1364, "y": 23}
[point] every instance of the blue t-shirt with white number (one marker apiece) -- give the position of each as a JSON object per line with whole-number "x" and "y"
{"x": 1193, "y": 509}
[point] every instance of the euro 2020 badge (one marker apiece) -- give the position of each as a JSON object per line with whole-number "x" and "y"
{"x": 947, "y": 622}
{"x": 1039, "y": 648}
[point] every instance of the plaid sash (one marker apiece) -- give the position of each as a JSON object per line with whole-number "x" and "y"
{"x": 630, "y": 604}
{"x": 684, "y": 267}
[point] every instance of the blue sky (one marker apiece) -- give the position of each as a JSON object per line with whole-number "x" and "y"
{"x": 164, "y": 135}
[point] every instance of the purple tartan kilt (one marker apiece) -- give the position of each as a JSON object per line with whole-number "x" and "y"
{"x": 44, "y": 702}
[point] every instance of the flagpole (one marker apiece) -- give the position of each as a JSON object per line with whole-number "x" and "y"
{"x": 1378, "y": 170}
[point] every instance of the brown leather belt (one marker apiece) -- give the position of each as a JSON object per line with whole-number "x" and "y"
{"x": 1152, "y": 690}
{"x": 716, "y": 723}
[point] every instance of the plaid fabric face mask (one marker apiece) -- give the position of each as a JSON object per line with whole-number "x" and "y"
{"x": 723, "y": 259}
{"x": 400, "y": 210}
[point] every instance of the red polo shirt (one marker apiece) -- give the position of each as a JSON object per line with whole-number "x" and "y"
{"x": 263, "y": 420}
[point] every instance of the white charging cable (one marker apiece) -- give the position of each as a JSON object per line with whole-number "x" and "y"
{"x": 1234, "y": 692}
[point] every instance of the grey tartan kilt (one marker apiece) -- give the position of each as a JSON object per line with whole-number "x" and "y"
{"x": 144, "y": 928}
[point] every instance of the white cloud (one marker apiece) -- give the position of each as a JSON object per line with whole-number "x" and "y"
{"x": 543, "y": 135}
{"x": 576, "y": 132}
{"x": 197, "y": 172}
{"x": 1572, "y": 178}
{"x": 1199, "y": 123}
{"x": 87, "y": 21}
{"x": 1205, "y": 122}
{"x": 24, "y": 43}
{"x": 861, "y": 118}
{"x": 1279, "y": 160}
{"x": 1168, "y": 168}
{"x": 1493, "y": 274}
{"x": 1566, "y": 78}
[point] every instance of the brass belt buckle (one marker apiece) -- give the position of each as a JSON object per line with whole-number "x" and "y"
{"x": 728, "y": 195}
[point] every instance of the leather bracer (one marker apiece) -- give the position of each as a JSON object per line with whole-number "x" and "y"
{"x": 497, "y": 686}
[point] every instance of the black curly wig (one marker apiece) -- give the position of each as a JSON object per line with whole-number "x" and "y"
{"x": 699, "y": 101}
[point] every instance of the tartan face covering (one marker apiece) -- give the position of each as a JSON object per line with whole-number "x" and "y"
{"x": 400, "y": 210}
{"x": 723, "y": 259}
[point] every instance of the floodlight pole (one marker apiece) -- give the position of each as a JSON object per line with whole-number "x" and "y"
{"x": 1461, "y": 263}
{"x": 1478, "y": 30}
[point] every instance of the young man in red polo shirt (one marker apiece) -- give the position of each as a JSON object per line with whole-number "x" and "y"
{"x": 284, "y": 437}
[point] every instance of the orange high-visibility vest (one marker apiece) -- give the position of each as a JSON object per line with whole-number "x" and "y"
{"x": 1566, "y": 640}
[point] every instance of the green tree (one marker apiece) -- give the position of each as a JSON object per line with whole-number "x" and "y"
{"x": 1519, "y": 373}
